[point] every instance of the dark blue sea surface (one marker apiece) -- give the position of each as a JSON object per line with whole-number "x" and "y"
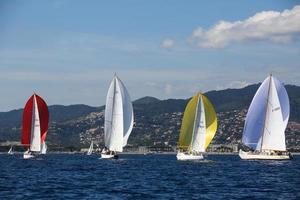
{"x": 77, "y": 176}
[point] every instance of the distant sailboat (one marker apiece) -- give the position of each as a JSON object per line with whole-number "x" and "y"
{"x": 10, "y": 151}
{"x": 90, "y": 151}
{"x": 35, "y": 125}
{"x": 118, "y": 119}
{"x": 44, "y": 148}
{"x": 266, "y": 122}
{"x": 198, "y": 128}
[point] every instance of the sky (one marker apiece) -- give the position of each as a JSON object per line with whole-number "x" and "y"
{"x": 67, "y": 51}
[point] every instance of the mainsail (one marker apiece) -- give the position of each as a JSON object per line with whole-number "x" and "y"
{"x": 118, "y": 116}
{"x": 267, "y": 117}
{"x": 35, "y": 123}
{"x": 199, "y": 124}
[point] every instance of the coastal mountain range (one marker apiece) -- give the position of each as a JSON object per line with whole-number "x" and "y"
{"x": 157, "y": 122}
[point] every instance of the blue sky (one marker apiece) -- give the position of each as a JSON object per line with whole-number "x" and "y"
{"x": 67, "y": 51}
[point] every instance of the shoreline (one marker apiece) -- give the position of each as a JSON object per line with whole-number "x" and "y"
{"x": 146, "y": 153}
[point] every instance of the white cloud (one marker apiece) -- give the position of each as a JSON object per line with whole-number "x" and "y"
{"x": 234, "y": 85}
{"x": 168, "y": 89}
{"x": 167, "y": 43}
{"x": 280, "y": 27}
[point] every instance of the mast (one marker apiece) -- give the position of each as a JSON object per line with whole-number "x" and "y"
{"x": 264, "y": 126}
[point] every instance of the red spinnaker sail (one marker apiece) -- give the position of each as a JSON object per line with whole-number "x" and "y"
{"x": 27, "y": 119}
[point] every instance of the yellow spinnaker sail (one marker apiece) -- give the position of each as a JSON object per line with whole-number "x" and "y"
{"x": 187, "y": 126}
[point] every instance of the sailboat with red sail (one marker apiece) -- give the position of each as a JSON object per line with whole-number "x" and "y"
{"x": 35, "y": 126}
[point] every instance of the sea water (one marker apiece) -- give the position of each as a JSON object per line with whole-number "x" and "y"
{"x": 78, "y": 176}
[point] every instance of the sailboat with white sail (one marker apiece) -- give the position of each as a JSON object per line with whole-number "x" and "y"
{"x": 90, "y": 151}
{"x": 35, "y": 126}
{"x": 10, "y": 151}
{"x": 118, "y": 119}
{"x": 266, "y": 121}
{"x": 199, "y": 125}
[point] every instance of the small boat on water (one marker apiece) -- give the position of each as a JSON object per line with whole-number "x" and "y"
{"x": 266, "y": 121}
{"x": 90, "y": 151}
{"x": 35, "y": 126}
{"x": 118, "y": 122}
{"x": 199, "y": 125}
{"x": 44, "y": 148}
{"x": 10, "y": 151}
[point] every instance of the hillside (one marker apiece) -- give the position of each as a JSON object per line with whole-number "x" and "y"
{"x": 156, "y": 121}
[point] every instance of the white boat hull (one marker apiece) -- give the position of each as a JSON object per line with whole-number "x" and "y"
{"x": 262, "y": 156}
{"x": 108, "y": 156}
{"x": 185, "y": 156}
{"x": 27, "y": 155}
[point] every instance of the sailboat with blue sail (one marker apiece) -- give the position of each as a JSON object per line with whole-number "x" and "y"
{"x": 266, "y": 121}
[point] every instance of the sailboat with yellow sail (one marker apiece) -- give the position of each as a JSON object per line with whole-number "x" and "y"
{"x": 199, "y": 125}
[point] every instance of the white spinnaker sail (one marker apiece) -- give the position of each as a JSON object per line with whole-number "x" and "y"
{"x": 198, "y": 140}
{"x": 273, "y": 135}
{"x": 127, "y": 112}
{"x": 44, "y": 148}
{"x": 257, "y": 120}
{"x": 35, "y": 142}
